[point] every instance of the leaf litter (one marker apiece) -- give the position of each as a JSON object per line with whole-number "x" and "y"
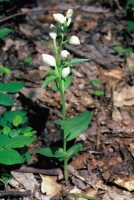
{"x": 105, "y": 170}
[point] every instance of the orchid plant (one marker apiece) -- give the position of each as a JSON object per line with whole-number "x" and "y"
{"x": 60, "y": 74}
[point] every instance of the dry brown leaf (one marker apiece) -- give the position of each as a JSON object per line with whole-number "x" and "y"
{"x": 124, "y": 97}
{"x": 127, "y": 182}
{"x": 114, "y": 75}
{"x": 113, "y": 195}
{"x": 78, "y": 163}
{"x": 130, "y": 62}
{"x": 131, "y": 149}
{"x": 49, "y": 186}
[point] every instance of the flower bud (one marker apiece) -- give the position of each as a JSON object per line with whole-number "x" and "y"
{"x": 64, "y": 54}
{"x": 59, "y": 18}
{"x": 65, "y": 72}
{"x": 74, "y": 40}
{"x": 49, "y": 60}
{"x": 53, "y": 31}
{"x": 69, "y": 13}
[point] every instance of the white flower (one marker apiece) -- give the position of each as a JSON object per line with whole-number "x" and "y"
{"x": 69, "y": 22}
{"x": 65, "y": 72}
{"x": 53, "y": 31}
{"x": 69, "y": 13}
{"x": 49, "y": 60}
{"x": 59, "y": 18}
{"x": 74, "y": 40}
{"x": 64, "y": 54}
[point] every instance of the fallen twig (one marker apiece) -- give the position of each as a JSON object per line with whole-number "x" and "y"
{"x": 15, "y": 194}
{"x": 53, "y": 172}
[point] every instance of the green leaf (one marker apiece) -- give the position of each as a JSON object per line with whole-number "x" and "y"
{"x": 19, "y": 142}
{"x": 74, "y": 126}
{"x": 13, "y": 133}
{"x": 4, "y": 140}
{"x": 130, "y": 25}
{"x": 83, "y": 196}
{"x": 17, "y": 120}
{"x": 75, "y": 60}
{"x": 27, "y": 60}
{"x": 51, "y": 71}
{"x": 74, "y": 149}
{"x": 3, "y": 122}
{"x": 10, "y": 157}
{"x": 49, "y": 153}
{"x": 1, "y": 85}
{"x": 48, "y": 80}
{"x": 5, "y": 100}
{"x": 13, "y": 87}
{"x": 10, "y": 115}
{"x": 54, "y": 88}
{"x": 118, "y": 48}
{"x": 95, "y": 82}
{"x": 5, "y": 32}
{"x": 27, "y": 156}
{"x": 6, "y": 130}
{"x": 99, "y": 93}
{"x": 27, "y": 131}
{"x": 5, "y": 70}
{"x": 67, "y": 82}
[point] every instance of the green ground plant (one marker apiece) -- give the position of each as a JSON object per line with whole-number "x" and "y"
{"x": 14, "y": 133}
{"x": 60, "y": 78}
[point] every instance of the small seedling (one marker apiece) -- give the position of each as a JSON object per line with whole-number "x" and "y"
{"x": 60, "y": 73}
{"x": 4, "y": 32}
{"x": 13, "y": 123}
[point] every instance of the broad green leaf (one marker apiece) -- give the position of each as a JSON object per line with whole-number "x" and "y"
{"x": 27, "y": 156}
{"x": 5, "y": 70}
{"x": 30, "y": 133}
{"x": 10, "y": 115}
{"x": 27, "y": 131}
{"x": 48, "y": 80}
{"x": 95, "y": 82}
{"x": 3, "y": 122}
{"x": 5, "y": 32}
{"x": 130, "y": 25}
{"x": 67, "y": 82}
{"x": 27, "y": 59}
{"x": 74, "y": 149}
{"x": 19, "y": 142}
{"x": 13, "y": 133}
{"x": 118, "y": 48}
{"x": 1, "y": 85}
{"x": 17, "y": 120}
{"x": 99, "y": 93}
{"x": 74, "y": 126}
{"x": 4, "y": 140}
{"x": 13, "y": 87}
{"x": 54, "y": 88}
{"x": 10, "y": 157}
{"x": 127, "y": 51}
{"x": 6, "y": 130}
{"x": 75, "y": 60}
{"x": 5, "y": 100}
{"x": 50, "y": 153}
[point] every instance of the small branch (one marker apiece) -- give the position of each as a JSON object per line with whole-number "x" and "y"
{"x": 53, "y": 172}
{"x": 11, "y": 16}
{"x": 15, "y": 194}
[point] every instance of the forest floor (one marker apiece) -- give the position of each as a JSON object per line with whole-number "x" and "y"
{"x": 104, "y": 169}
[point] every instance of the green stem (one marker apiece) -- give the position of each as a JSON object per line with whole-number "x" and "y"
{"x": 63, "y": 102}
